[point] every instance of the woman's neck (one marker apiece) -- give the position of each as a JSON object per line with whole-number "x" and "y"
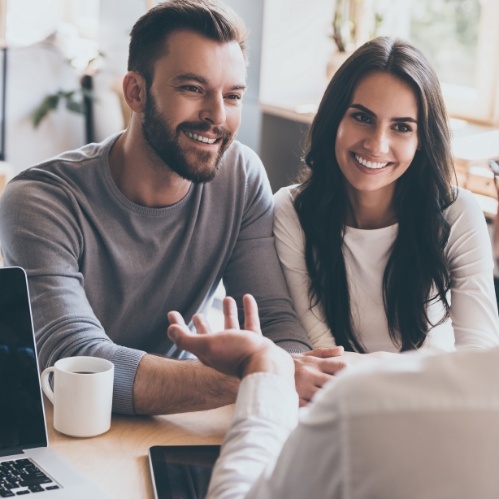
{"x": 370, "y": 210}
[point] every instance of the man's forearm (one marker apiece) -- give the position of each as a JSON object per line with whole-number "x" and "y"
{"x": 167, "y": 386}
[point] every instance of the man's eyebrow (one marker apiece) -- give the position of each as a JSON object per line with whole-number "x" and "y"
{"x": 189, "y": 77}
{"x": 401, "y": 119}
{"x": 186, "y": 77}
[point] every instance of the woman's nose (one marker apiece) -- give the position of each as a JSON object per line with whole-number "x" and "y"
{"x": 377, "y": 141}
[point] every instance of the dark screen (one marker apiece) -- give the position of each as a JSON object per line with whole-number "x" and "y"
{"x": 22, "y": 423}
{"x": 183, "y": 472}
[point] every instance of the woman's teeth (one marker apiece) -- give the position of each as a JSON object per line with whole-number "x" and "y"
{"x": 200, "y": 138}
{"x": 369, "y": 164}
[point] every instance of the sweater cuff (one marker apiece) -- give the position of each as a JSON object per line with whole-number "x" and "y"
{"x": 294, "y": 346}
{"x": 126, "y": 361}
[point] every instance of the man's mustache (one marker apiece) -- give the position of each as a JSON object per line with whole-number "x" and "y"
{"x": 203, "y": 126}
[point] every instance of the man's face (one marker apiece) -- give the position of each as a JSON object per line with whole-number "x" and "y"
{"x": 193, "y": 106}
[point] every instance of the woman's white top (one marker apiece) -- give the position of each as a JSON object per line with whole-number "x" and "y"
{"x": 473, "y": 321}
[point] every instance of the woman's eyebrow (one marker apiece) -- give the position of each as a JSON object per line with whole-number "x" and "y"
{"x": 402, "y": 119}
{"x": 360, "y": 107}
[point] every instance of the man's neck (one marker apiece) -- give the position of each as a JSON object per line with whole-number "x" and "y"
{"x": 141, "y": 180}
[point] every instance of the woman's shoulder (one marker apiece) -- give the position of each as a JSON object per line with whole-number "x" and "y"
{"x": 285, "y": 214}
{"x": 465, "y": 204}
{"x": 286, "y": 195}
{"x": 284, "y": 199}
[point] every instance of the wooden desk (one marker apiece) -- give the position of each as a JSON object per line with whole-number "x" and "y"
{"x": 117, "y": 462}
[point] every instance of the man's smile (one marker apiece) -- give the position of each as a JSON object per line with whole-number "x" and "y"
{"x": 200, "y": 138}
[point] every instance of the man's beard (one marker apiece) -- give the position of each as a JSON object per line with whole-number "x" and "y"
{"x": 164, "y": 141}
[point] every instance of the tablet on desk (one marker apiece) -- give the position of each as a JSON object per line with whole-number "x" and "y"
{"x": 182, "y": 471}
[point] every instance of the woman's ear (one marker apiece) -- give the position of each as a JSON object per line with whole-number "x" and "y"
{"x": 134, "y": 91}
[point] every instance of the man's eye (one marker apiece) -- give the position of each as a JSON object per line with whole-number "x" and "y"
{"x": 190, "y": 88}
{"x": 234, "y": 97}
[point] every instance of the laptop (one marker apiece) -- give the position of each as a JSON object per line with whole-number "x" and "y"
{"x": 28, "y": 466}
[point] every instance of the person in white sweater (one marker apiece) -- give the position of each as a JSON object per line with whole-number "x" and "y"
{"x": 380, "y": 249}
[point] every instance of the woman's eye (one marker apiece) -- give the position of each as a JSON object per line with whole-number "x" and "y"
{"x": 362, "y": 117}
{"x": 402, "y": 127}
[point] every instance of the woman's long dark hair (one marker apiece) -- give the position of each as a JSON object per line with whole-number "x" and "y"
{"x": 416, "y": 273}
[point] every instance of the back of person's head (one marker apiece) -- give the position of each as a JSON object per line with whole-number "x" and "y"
{"x": 402, "y": 60}
{"x": 209, "y": 18}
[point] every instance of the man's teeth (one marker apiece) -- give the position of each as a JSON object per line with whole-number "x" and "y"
{"x": 369, "y": 164}
{"x": 200, "y": 138}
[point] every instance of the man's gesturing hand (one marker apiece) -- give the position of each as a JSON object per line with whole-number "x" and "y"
{"x": 232, "y": 351}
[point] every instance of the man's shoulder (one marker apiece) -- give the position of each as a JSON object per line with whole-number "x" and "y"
{"x": 242, "y": 159}
{"x": 68, "y": 161}
{"x": 67, "y": 170}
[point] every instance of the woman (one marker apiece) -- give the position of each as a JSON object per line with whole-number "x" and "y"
{"x": 382, "y": 253}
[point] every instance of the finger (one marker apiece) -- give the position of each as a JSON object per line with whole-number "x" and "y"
{"x": 325, "y": 352}
{"x": 201, "y": 324}
{"x": 319, "y": 379}
{"x": 315, "y": 365}
{"x": 178, "y": 332}
{"x": 303, "y": 402}
{"x": 185, "y": 339}
{"x": 331, "y": 366}
{"x": 306, "y": 392}
{"x": 175, "y": 318}
{"x": 231, "y": 320}
{"x": 251, "y": 317}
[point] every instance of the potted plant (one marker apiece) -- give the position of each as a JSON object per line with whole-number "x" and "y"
{"x": 354, "y": 22}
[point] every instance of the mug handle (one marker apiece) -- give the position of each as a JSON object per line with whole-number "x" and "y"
{"x": 46, "y": 385}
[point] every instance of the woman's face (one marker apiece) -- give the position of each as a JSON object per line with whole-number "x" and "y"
{"x": 378, "y": 135}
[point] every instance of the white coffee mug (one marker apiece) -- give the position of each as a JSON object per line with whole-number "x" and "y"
{"x": 82, "y": 395}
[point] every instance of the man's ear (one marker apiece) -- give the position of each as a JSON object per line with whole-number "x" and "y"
{"x": 134, "y": 91}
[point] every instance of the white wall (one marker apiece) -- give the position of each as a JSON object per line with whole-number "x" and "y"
{"x": 39, "y": 70}
{"x": 295, "y": 50}
{"x": 34, "y": 72}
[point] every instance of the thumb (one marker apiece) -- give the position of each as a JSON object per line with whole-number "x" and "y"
{"x": 325, "y": 352}
{"x": 182, "y": 337}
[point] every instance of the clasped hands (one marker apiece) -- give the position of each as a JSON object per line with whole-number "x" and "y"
{"x": 239, "y": 352}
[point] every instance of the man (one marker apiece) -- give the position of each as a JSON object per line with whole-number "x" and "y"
{"x": 416, "y": 426}
{"x": 116, "y": 234}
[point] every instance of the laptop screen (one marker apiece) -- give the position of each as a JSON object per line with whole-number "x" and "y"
{"x": 22, "y": 422}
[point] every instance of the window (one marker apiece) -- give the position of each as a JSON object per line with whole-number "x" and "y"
{"x": 461, "y": 39}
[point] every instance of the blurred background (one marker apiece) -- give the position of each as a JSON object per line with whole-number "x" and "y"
{"x": 62, "y": 62}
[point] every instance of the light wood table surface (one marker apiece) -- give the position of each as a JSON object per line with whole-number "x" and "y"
{"x": 117, "y": 461}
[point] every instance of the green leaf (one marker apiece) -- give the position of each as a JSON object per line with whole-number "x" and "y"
{"x": 48, "y": 104}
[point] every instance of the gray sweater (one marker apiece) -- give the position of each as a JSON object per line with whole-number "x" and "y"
{"x": 103, "y": 272}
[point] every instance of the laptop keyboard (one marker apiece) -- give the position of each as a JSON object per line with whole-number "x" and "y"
{"x": 22, "y": 476}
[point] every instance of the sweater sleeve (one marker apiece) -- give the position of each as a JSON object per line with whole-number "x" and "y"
{"x": 254, "y": 267}
{"x": 473, "y": 302}
{"x": 290, "y": 245}
{"x": 39, "y": 231}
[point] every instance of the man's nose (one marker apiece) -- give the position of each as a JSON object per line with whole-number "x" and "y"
{"x": 214, "y": 109}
